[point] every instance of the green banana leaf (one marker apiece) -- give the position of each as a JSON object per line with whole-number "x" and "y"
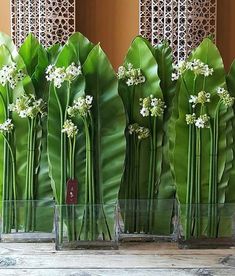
{"x": 230, "y": 194}
{"x": 166, "y": 194}
{"x": 65, "y": 58}
{"x": 80, "y": 46}
{"x": 109, "y": 124}
{"x": 141, "y": 55}
{"x": 36, "y": 60}
{"x": 209, "y": 54}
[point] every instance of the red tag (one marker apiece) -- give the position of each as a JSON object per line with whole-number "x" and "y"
{"x": 72, "y": 191}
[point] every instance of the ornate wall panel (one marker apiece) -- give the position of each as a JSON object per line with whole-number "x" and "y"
{"x": 184, "y": 23}
{"x": 50, "y": 20}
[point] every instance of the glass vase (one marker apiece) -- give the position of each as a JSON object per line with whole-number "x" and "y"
{"x": 27, "y": 221}
{"x": 147, "y": 220}
{"x": 207, "y": 226}
{"x": 84, "y": 226}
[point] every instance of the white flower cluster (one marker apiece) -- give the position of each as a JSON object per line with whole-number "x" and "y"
{"x": 203, "y": 121}
{"x": 70, "y": 129}
{"x": 196, "y": 66}
{"x": 201, "y": 98}
{"x": 226, "y": 99}
{"x": 10, "y": 74}
{"x": 141, "y": 132}
{"x": 81, "y": 106}
{"x": 7, "y": 126}
{"x": 131, "y": 75}
{"x": 59, "y": 75}
{"x": 151, "y": 106}
{"x": 27, "y": 106}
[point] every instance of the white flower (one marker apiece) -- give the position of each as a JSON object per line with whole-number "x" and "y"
{"x": 144, "y": 112}
{"x": 81, "y": 106}
{"x": 199, "y": 68}
{"x": 199, "y": 123}
{"x": 130, "y": 82}
{"x": 73, "y": 71}
{"x": 26, "y": 106}
{"x": 154, "y": 102}
{"x": 175, "y": 76}
{"x": 59, "y": 75}
{"x": 202, "y": 121}
{"x": 131, "y": 75}
{"x": 190, "y": 119}
{"x": 220, "y": 90}
{"x": 225, "y": 97}
{"x": 121, "y": 74}
{"x": 89, "y": 99}
{"x": 70, "y": 129}
{"x": 152, "y": 106}
{"x": 10, "y": 75}
{"x": 141, "y": 132}
{"x": 7, "y": 126}
{"x": 193, "y": 100}
{"x": 132, "y": 128}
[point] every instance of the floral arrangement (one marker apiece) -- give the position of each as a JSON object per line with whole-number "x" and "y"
{"x": 145, "y": 92}
{"x": 201, "y": 149}
{"x": 151, "y": 134}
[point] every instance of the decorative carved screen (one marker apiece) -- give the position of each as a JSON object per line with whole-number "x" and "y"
{"x": 51, "y": 21}
{"x": 184, "y": 23}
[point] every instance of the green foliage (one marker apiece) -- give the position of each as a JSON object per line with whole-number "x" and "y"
{"x": 156, "y": 199}
{"x": 215, "y": 166}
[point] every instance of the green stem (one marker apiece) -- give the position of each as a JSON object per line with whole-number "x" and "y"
{"x": 152, "y": 179}
{"x": 198, "y": 183}
{"x": 13, "y": 180}
{"x": 61, "y": 199}
{"x": 215, "y": 182}
{"x": 190, "y": 172}
{"x": 5, "y": 182}
{"x": 137, "y": 207}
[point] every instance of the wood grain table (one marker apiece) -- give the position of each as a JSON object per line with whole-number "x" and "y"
{"x": 144, "y": 259}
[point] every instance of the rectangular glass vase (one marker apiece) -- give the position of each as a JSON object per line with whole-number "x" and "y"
{"x": 25, "y": 221}
{"x": 147, "y": 220}
{"x": 206, "y": 226}
{"x": 86, "y": 226}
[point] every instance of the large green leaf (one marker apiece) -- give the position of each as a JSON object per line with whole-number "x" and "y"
{"x": 164, "y": 210}
{"x": 80, "y": 46}
{"x": 66, "y": 56}
{"x": 142, "y": 55}
{"x": 109, "y": 123}
{"x": 230, "y": 193}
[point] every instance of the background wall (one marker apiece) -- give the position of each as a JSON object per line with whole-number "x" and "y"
{"x": 114, "y": 23}
{"x": 226, "y": 30}
{"x": 5, "y": 16}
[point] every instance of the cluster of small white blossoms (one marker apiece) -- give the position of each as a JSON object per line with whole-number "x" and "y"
{"x": 10, "y": 74}
{"x": 81, "y": 106}
{"x": 58, "y": 75}
{"x": 131, "y": 75}
{"x": 151, "y": 106}
{"x": 70, "y": 129}
{"x": 226, "y": 99}
{"x": 201, "y": 98}
{"x": 203, "y": 121}
{"x": 7, "y": 126}
{"x": 27, "y": 106}
{"x": 141, "y": 132}
{"x": 196, "y": 66}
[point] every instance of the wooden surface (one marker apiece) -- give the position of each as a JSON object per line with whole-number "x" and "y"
{"x": 131, "y": 259}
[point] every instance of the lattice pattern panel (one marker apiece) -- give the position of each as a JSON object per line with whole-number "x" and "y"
{"x": 184, "y": 23}
{"x": 51, "y": 21}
